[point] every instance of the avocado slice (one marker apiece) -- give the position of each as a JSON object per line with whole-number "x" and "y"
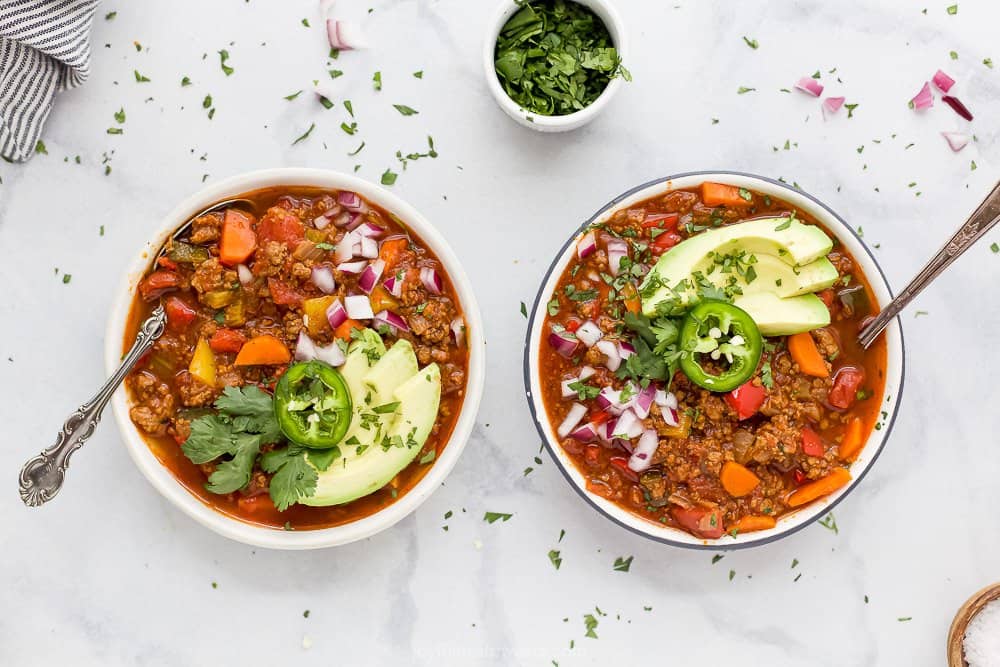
{"x": 396, "y": 366}
{"x": 776, "y": 316}
{"x": 785, "y": 280}
{"x": 352, "y": 478}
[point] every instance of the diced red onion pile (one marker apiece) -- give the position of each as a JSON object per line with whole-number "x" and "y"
{"x": 306, "y": 350}
{"x": 925, "y": 99}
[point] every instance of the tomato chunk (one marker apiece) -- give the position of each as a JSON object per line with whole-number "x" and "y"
{"x": 660, "y": 221}
{"x": 179, "y": 313}
{"x": 664, "y": 242}
{"x": 282, "y": 294}
{"x": 621, "y": 463}
{"x": 702, "y": 522}
{"x": 227, "y": 340}
{"x": 845, "y": 387}
{"x": 281, "y": 226}
{"x": 158, "y": 283}
{"x": 812, "y": 444}
{"x": 746, "y": 400}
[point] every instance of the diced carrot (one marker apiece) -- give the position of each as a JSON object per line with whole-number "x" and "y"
{"x": 392, "y": 251}
{"x": 805, "y": 353}
{"x": 719, "y": 194}
{"x": 263, "y": 350}
{"x": 737, "y": 480}
{"x": 238, "y": 239}
{"x": 754, "y": 522}
{"x": 227, "y": 340}
{"x": 807, "y": 493}
{"x": 854, "y": 438}
{"x": 343, "y": 332}
{"x": 631, "y": 297}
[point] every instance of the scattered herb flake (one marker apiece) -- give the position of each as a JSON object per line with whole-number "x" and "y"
{"x": 389, "y": 177}
{"x": 405, "y": 110}
{"x": 493, "y": 517}
{"x": 554, "y": 558}
{"x": 139, "y": 78}
{"x": 377, "y": 80}
{"x": 623, "y": 564}
{"x": 305, "y": 135}
{"x": 742, "y": 90}
{"x": 223, "y": 58}
{"x": 752, "y": 43}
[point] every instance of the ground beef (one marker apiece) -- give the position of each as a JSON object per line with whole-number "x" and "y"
{"x": 433, "y": 325}
{"x": 270, "y": 259}
{"x": 209, "y": 276}
{"x": 194, "y": 393}
{"x": 154, "y": 402}
{"x": 206, "y": 228}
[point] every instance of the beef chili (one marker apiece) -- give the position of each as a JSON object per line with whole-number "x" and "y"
{"x": 293, "y": 325}
{"x": 691, "y": 384}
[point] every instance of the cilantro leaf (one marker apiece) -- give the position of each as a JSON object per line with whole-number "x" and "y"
{"x": 293, "y": 477}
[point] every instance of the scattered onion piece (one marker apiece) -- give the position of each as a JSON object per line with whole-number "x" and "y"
{"x": 369, "y": 230}
{"x": 585, "y": 433}
{"x": 358, "y": 307}
{"x": 943, "y": 81}
{"x": 322, "y": 278}
{"x": 564, "y": 343}
{"x": 617, "y": 250}
{"x": 391, "y": 320}
{"x": 371, "y": 274}
{"x": 244, "y": 273}
{"x": 431, "y": 280}
{"x": 832, "y": 104}
{"x": 352, "y": 267}
{"x": 610, "y": 350}
{"x": 957, "y": 106}
{"x": 956, "y": 140}
{"x": 589, "y": 333}
{"x": 335, "y": 314}
{"x": 587, "y": 245}
{"x": 924, "y": 99}
{"x": 809, "y": 85}
{"x": 369, "y": 247}
{"x": 642, "y": 455}
{"x": 458, "y": 331}
{"x": 573, "y": 417}
{"x": 345, "y": 35}
{"x": 394, "y": 285}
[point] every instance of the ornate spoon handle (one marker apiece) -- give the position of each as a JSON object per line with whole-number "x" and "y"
{"x": 981, "y": 221}
{"x": 42, "y": 476}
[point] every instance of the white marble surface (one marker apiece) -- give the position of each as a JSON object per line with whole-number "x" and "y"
{"x": 110, "y": 574}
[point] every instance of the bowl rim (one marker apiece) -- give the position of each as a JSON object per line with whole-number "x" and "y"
{"x": 808, "y": 514}
{"x": 609, "y": 16}
{"x": 262, "y": 536}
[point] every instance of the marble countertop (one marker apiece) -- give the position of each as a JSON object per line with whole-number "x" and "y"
{"x": 110, "y": 574}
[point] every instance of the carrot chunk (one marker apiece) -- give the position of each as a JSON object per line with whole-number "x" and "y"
{"x": 392, "y": 251}
{"x": 805, "y": 353}
{"x": 754, "y": 522}
{"x": 263, "y": 350}
{"x": 343, "y": 332}
{"x": 719, "y": 194}
{"x": 737, "y": 480}
{"x": 238, "y": 239}
{"x": 807, "y": 493}
{"x": 854, "y": 438}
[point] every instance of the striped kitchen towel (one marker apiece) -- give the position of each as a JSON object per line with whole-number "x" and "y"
{"x": 44, "y": 48}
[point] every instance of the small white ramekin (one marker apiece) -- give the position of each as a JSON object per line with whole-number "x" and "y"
{"x": 605, "y": 10}
{"x": 165, "y": 482}
{"x": 793, "y": 521}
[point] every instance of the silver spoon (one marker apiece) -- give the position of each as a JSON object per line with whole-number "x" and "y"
{"x": 981, "y": 221}
{"x": 42, "y": 476}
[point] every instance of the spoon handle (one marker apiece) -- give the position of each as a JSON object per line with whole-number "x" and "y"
{"x": 42, "y": 476}
{"x": 981, "y": 221}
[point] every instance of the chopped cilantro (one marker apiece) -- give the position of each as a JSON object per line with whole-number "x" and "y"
{"x": 223, "y": 58}
{"x": 493, "y": 517}
{"x": 623, "y": 564}
{"x": 389, "y": 177}
{"x": 405, "y": 110}
{"x": 306, "y": 134}
{"x": 555, "y": 559}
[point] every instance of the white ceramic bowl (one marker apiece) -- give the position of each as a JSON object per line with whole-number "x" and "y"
{"x": 163, "y": 480}
{"x": 605, "y": 10}
{"x": 790, "y": 522}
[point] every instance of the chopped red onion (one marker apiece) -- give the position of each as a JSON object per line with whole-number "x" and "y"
{"x": 589, "y": 333}
{"x": 369, "y": 277}
{"x": 625, "y": 350}
{"x": 585, "y": 372}
{"x": 610, "y": 400}
{"x": 924, "y": 99}
{"x": 670, "y": 416}
{"x": 431, "y": 280}
{"x": 369, "y": 230}
{"x": 391, "y": 320}
{"x": 587, "y": 245}
{"x": 957, "y": 106}
{"x": 352, "y": 267}
{"x": 564, "y": 343}
{"x": 610, "y": 350}
{"x": 642, "y": 455}
{"x": 629, "y": 426}
{"x": 244, "y": 273}
{"x": 346, "y": 248}
{"x": 335, "y": 314}
{"x": 585, "y": 433}
{"x": 643, "y": 401}
{"x": 616, "y": 251}
{"x": 956, "y": 140}
{"x": 345, "y": 35}
{"x": 321, "y": 222}
{"x": 349, "y": 200}
{"x": 322, "y": 277}
{"x": 605, "y": 430}
{"x": 354, "y": 222}
{"x": 343, "y": 218}
{"x": 369, "y": 247}
{"x": 305, "y": 348}
{"x": 943, "y": 81}
{"x": 665, "y": 399}
{"x": 358, "y": 307}
{"x": 394, "y": 284}
{"x": 809, "y": 85}
{"x": 331, "y": 354}
{"x": 458, "y": 331}
{"x": 573, "y": 417}
{"x": 832, "y": 104}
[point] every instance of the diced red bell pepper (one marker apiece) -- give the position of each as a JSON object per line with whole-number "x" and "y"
{"x": 598, "y": 415}
{"x": 660, "y": 221}
{"x": 664, "y": 242}
{"x": 845, "y": 387}
{"x": 179, "y": 313}
{"x": 812, "y": 444}
{"x": 573, "y": 325}
{"x": 702, "y": 522}
{"x": 282, "y": 294}
{"x": 281, "y": 226}
{"x": 621, "y": 463}
{"x": 227, "y": 341}
{"x": 799, "y": 477}
{"x": 158, "y": 283}
{"x": 746, "y": 400}
{"x": 165, "y": 262}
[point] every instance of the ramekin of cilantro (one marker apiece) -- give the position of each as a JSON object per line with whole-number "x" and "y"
{"x": 553, "y": 65}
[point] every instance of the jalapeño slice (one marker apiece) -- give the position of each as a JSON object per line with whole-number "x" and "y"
{"x": 723, "y": 346}
{"x": 313, "y": 404}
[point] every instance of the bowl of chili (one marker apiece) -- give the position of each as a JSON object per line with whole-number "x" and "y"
{"x": 586, "y": 38}
{"x": 319, "y": 318}
{"x": 730, "y": 407}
